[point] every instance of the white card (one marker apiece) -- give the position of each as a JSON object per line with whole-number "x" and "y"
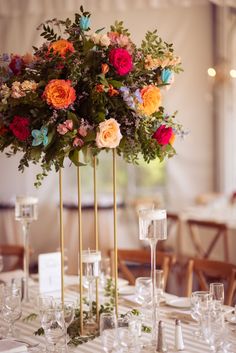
{"x": 50, "y": 272}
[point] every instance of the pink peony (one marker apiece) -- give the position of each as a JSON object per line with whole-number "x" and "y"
{"x": 121, "y": 60}
{"x": 163, "y": 135}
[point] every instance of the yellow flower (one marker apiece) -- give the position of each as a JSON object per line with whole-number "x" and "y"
{"x": 151, "y": 97}
{"x": 109, "y": 134}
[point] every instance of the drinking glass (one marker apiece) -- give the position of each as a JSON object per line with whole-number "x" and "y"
{"x": 26, "y": 211}
{"x": 91, "y": 269}
{"x": 105, "y": 270}
{"x": 143, "y": 290}
{"x": 108, "y": 331}
{"x": 54, "y": 326}
{"x": 214, "y": 331}
{"x": 200, "y": 306}
{"x": 11, "y": 309}
{"x": 68, "y": 308}
{"x": 44, "y": 303}
{"x": 153, "y": 227}
{"x": 217, "y": 292}
{"x": 1, "y": 263}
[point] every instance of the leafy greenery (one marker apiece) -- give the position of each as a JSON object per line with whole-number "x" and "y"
{"x": 73, "y": 54}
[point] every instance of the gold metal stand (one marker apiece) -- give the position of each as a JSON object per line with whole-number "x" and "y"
{"x": 80, "y": 246}
{"x": 96, "y": 225}
{"x": 61, "y": 235}
{"x": 115, "y": 231}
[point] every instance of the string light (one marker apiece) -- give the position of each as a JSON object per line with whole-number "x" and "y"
{"x": 211, "y": 72}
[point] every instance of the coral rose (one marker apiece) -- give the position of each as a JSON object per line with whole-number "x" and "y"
{"x": 109, "y": 134}
{"x": 121, "y": 60}
{"x": 151, "y": 97}
{"x": 20, "y": 127}
{"x": 59, "y": 93}
{"x": 164, "y": 135}
{"x": 61, "y": 47}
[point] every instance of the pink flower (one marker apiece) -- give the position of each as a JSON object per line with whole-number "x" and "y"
{"x": 121, "y": 60}
{"x": 82, "y": 130}
{"x": 69, "y": 124}
{"x": 163, "y": 135}
{"x": 78, "y": 142}
{"x": 62, "y": 129}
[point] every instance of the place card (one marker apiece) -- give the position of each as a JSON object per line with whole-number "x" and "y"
{"x": 49, "y": 272}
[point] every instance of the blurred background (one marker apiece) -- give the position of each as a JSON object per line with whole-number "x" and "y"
{"x": 204, "y": 169}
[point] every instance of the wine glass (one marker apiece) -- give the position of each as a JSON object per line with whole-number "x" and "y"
{"x": 153, "y": 227}
{"x": 105, "y": 270}
{"x": 108, "y": 331}
{"x": 26, "y": 211}
{"x": 54, "y": 326}
{"x": 143, "y": 290}
{"x": 217, "y": 292}
{"x": 91, "y": 269}
{"x": 44, "y": 303}
{"x": 11, "y": 309}
{"x": 200, "y": 306}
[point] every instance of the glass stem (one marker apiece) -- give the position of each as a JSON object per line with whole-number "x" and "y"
{"x": 90, "y": 300}
{"x": 153, "y": 243}
{"x": 25, "y": 227}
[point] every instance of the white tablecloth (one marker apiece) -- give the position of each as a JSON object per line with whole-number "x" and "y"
{"x": 27, "y": 329}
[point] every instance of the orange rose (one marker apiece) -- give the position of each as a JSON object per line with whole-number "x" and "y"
{"x": 62, "y": 47}
{"x": 151, "y": 97}
{"x": 59, "y": 94}
{"x": 109, "y": 134}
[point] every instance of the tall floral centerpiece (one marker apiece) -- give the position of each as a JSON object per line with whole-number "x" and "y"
{"x": 85, "y": 91}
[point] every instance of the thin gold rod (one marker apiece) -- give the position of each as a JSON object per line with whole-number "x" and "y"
{"x": 96, "y": 225}
{"x": 80, "y": 246}
{"x": 61, "y": 235}
{"x": 115, "y": 231}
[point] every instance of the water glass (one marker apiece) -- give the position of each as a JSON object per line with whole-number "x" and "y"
{"x": 105, "y": 270}
{"x": 54, "y": 326}
{"x": 68, "y": 308}
{"x": 108, "y": 331}
{"x": 44, "y": 303}
{"x": 217, "y": 292}
{"x": 143, "y": 290}
{"x": 11, "y": 309}
{"x": 200, "y": 306}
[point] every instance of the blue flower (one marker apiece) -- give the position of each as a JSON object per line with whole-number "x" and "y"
{"x": 84, "y": 23}
{"x": 40, "y": 136}
{"x": 166, "y": 75}
{"x": 137, "y": 95}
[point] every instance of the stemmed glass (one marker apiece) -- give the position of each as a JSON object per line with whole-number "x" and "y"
{"x": 200, "y": 306}
{"x": 11, "y": 308}
{"x": 54, "y": 326}
{"x": 26, "y": 211}
{"x": 44, "y": 303}
{"x": 91, "y": 269}
{"x": 153, "y": 227}
{"x": 159, "y": 274}
{"x": 217, "y": 292}
{"x": 108, "y": 331}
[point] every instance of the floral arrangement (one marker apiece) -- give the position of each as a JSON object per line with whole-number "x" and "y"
{"x": 87, "y": 91}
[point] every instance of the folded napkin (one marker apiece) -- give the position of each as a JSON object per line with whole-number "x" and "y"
{"x": 184, "y": 317}
{"x": 11, "y": 346}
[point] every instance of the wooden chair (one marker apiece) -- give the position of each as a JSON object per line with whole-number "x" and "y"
{"x": 15, "y": 255}
{"x": 221, "y": 271}
{"x": 219, "y": 230}
{"x": 143, "y": 257}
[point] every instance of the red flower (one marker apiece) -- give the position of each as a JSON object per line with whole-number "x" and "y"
{"x": 20, "y": 127}
{"x": 121, "y": 60}
{"x": 16, "y": 64}
{"x": 163, "y": 135}
{"x": 3, "y": 130}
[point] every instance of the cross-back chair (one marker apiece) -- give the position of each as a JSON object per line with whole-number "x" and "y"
{"x": 13, "y": 256}
{"x": 218, "y": 231}
{"x": 216, "y": 270}
{"x": 142, "y": 257}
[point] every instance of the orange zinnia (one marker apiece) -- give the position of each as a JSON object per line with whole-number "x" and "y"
{"x": 62, "y": 47}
